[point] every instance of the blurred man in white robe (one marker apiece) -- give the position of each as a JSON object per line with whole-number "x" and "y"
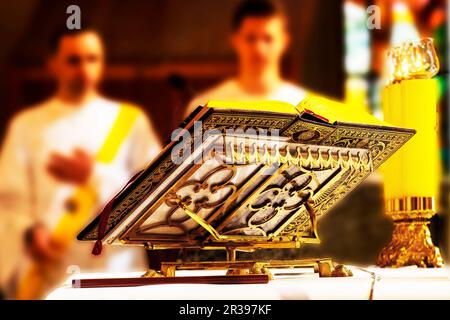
{"x": 260, "y": 38}
{"x": 50, "y": 150}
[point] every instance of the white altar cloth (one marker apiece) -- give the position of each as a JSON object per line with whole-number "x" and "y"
{"x": 368, "y": 283}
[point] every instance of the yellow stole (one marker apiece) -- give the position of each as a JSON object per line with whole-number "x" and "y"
{"x": 78, "y": 208}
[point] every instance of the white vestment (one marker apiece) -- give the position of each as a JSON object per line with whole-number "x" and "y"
{"x": 230, "y": 90}
{"x": 29, "y": 194}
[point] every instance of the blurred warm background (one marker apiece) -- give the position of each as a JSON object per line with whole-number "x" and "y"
{"x": 162, "y": 53}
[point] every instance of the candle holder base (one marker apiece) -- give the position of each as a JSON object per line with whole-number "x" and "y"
{"x": 411, "y": 244}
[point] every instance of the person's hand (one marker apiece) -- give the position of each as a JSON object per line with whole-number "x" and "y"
{"x": 39, "y": 244}
{"x": 75, "y": 169}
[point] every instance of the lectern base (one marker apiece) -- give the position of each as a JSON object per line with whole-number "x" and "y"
{"x": 324, "y": 267}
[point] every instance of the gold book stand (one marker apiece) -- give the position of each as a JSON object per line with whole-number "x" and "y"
{"x": 246, "y": 189}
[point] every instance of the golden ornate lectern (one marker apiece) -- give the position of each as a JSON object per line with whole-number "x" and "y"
{"x": 246, "y": 176}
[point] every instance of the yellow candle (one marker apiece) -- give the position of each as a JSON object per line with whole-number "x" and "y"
{"x": 392, "y": 169}
{"x": 412, "y": 175}
{"x": 421, "y": 153}
{"x": 414, "y": 170}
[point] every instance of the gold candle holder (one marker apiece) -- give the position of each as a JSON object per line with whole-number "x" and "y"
{"x": 411, "y": 176}
{"x": 411, "y": 242}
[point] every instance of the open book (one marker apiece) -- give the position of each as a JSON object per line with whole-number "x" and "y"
{"x": 248, "y": 175}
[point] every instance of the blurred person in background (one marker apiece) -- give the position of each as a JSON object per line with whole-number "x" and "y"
{"x": 260, "y": 37}
{"x": 73, "y": 151}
